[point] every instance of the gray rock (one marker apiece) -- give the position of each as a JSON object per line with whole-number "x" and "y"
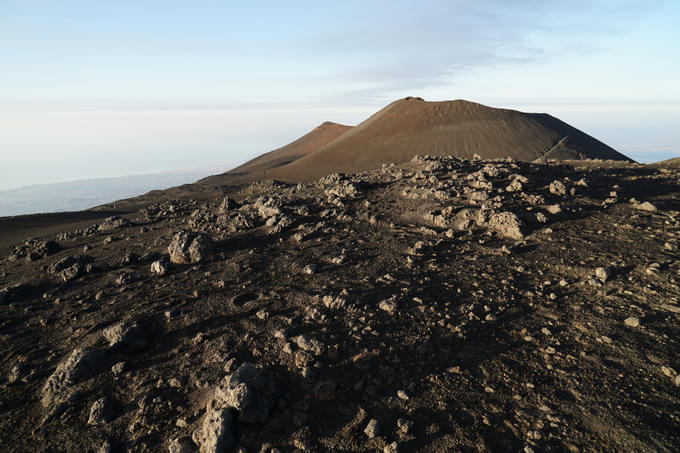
{"x": 14, "y": 374}
{"x": 646, "y": 206}
{"x": 558, "y": 188}
{"x": 310, "y": 344}
{"x": 180, "y": 445}
{"x": 507, "y": 225}
{"x": 603, "y": 273}
{"x": 215, "y": 435}
{"x": 553, "y": 209}
{"x": 632, "y": 322}
{"x": 464, "y": 219}
{"x": 267, "y": 207}
{"x": 160, "y": 267}
{"x": 190, "y": 247}
{"x": 70, "y": 267}
{"x": 391, "y": 448}
{"x": 514, "y": 186}
{"x": 228, "y": 204}
{"x": 250, "y": 391}
{"x": 100, "y": 412}
{"x": 372, "y": 429}
{"x": 124, "y": 278}
{"x": 80, "y": 364}
{"x": 118, "y": 368}
{"x": 113, "y": 223}
{"x": 404, "y": 425}
{"x": 388, "y": 305}
{"x": 126, "y": 335}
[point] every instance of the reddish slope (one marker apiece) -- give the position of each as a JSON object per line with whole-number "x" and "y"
{"x": 257, "y": 168}
{"x": 459, "y": 128}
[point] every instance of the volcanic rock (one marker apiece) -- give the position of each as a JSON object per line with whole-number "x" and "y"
{"x": 113, "y": 223}
{"x": 190, "y": 247}
{"x": 126, "y": 335}
{"x": 80, "y": 364}
{"x": 215, "y": 435}
{"x": 250, "y": 391}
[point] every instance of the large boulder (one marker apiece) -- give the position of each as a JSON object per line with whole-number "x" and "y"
{"x": 506, "y": 224}
{"x": 79, "y": 365}
{"x": 126, "y": 335}
{"x": 71, "y": 267}
{"x": 190, "y": 247}
{"x": 267, "y": 207}
{"x": 215, "y": 435}
{"x": 250, "y": 391}
{"x": 113, "y": 223}
{"x": 464, "y": 219}
{"x": 227, "y": 205}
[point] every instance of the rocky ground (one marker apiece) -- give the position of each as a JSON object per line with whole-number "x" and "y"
{"x": 439, "y": 305}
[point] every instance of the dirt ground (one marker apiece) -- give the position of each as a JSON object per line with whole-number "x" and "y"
{"x": 438, "y": 305}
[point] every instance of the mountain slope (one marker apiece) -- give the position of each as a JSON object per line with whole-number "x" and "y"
{"x": 256, "y": 168}
{"x": 458, "y": 128}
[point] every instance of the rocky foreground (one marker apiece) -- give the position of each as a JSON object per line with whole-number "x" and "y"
{"x": 439, "y": 305}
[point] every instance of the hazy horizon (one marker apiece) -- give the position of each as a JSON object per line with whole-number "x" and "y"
{"x": 115, "y": 89}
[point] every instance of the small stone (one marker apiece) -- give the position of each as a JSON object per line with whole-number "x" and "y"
{"x": 182, "y": 445}
{"x": 402, "y": 395}
{"x": 404, "y": 425}
{"x": 118, "y": 368}
{"x": 126, "y": 335}
{"x": 388, "y": 305}
{"x": 160, "y": 267}
{"x": 632, "y": 322}
{"x": 603, "y": 273}
{"x": 391, "y": 448}
{"x": 124, "y": 278}
{"x": 14, "y": 374}
{"x": 653, "y": 269}
{"x": 99, "y": 412}
{"x": 668, "y": 371}
{"x": 262, "y": 314}
{"x": 553, "y": 209}
{"x": 228, "y": 204}
{"x": 558, "y": 188}
{"x": 181, "y": 423}
{"x": 372, "y": 429}
{"x": 646, "y": 206}
{"x": 670, "y": 247}
{"x": 310, "y": 344}
{"x": 309, "y": 269}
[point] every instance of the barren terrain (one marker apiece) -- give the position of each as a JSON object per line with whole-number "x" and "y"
{"x": 441, "y": 304}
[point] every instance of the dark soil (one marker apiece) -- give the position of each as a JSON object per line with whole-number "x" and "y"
{"x": 484, "y": 343}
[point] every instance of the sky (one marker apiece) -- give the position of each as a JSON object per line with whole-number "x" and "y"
{"x": 99, "y": 88}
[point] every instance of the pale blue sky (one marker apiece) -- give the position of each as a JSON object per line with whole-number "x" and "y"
{"x": 101, "y": 88}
